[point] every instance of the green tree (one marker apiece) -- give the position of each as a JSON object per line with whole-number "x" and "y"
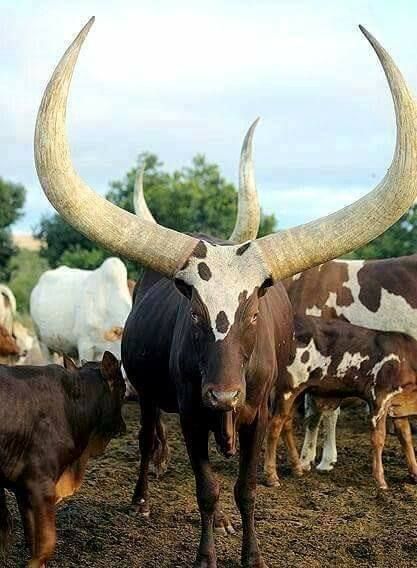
{"x": 398, "y": 240}
{"x": 12, "y": 198}
{"x": 193, "y": 199}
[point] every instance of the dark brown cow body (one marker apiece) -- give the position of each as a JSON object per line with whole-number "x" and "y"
{"x": 51, "y": 421}
{"x": 172, "y": 359}
{"x": 335, "y": 360}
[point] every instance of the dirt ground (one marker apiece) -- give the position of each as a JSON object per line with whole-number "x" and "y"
{"x": 326, "y": 520}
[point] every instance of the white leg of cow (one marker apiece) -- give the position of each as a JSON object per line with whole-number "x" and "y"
{"x": 312, "y": 418}
{"x": 329, "y": 457}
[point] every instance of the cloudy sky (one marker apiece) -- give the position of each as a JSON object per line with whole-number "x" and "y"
{"x": 180, "y": 77}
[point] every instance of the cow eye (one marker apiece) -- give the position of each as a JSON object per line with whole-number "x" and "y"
{"x": 194, "y": 317}
{"x": 254, "y": 318}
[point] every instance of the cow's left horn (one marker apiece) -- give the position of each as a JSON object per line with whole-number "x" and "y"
{"x": 156, "y": 247}
{"x": 248, "y": 211}
{"x": 294, "y": 250}
{"x": 139, "y": 202}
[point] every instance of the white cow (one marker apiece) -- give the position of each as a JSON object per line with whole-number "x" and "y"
{"x": 7, "y": 308}
{"x": 81, "y": 312}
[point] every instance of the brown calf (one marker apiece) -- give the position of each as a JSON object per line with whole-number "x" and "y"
{"x": 336, "y": 360}
{"x": 52, "y": 420}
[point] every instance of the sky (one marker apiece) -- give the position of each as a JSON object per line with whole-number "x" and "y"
{"x": 184, "y": 77}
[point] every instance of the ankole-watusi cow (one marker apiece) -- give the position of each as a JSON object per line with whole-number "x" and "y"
{"x": 375, "y": 294}
{"x": 210, "y": 328}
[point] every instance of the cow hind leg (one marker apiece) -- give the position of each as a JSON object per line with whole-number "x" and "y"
{"x": 161, "y": 451}
{"x": 378, "y": 434}
{"x": 313, "y": 418}
{"x": 207, "y": 488}
{"x": 5, "y": 523}
{"x": 329, "y": 457}
{"x": 403, "y": 429}
{"x": 147, "y": 442}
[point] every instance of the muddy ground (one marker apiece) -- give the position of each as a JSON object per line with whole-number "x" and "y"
{"x": 326, "y": 520}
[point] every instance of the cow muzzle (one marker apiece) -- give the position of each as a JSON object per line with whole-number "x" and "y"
{"x": 222, "y": 399}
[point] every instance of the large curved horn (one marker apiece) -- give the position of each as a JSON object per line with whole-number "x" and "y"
{"x": 156, "y": 247}
{"x": 294, "y": 250}
{"x": 248, "y": 211}
{"x": 139, "y": 202}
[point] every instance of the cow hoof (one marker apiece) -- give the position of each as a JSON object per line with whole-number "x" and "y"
{"x": 306, "y": 466}
{"x": 222, "y": 525}
{"x": 142, "y": 509}
{"x": 298, "y": 471}
{"x": 413, "y": 478}
{"x": 383, "y": 486}
{"x": 272, "y": 481}
{"x": 258, "y": 563}
{"x": 205, "y": 563}
{"x": 325, "y": 467}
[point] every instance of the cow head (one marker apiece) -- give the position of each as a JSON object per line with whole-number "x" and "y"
{"x": 223, "y": 313}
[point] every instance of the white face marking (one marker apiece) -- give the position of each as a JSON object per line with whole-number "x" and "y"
{"x": 393, "y": 314}
{"x": 350, "y": 361}
{"x": 300, "y": 371}
{"x": 230, "y": 275}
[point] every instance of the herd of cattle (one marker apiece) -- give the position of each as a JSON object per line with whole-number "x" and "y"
{"x": 226, "y": 333}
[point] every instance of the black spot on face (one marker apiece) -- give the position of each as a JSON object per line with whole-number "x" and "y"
{"x": 222, "y": 323}
{"x": 204, "y": 271}
{"x": 243, "y": 248}
{"x": 200, "y": 250}
{"x": 305, "y": 357}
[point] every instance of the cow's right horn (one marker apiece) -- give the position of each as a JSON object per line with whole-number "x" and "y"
{"x": 161, "y": 249}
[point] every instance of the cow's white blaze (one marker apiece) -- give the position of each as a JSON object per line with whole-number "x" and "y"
{"x": 221, "y": 276}
{"x": 350, "y": 361}
{"x": 300, "y": 370}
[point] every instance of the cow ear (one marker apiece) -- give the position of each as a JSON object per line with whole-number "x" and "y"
{"x": 262, "y": 289}
{"x": 110, "y": 368}
{"x": 69, "y": 363}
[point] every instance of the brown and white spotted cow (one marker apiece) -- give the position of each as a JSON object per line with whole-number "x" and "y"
{"x": 335, "y": 360}
{"x": 375, "y": 294}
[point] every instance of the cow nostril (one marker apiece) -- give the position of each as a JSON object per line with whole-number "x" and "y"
{"x": 224, "y": 396}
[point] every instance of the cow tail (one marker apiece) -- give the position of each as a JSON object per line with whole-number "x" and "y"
{"x": 5, "y": 523}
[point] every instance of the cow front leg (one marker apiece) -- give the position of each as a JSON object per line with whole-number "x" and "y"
{"x": 403, "y": 429}
{"x": 313, "y": 419}
{"x": 207, "y": 488}
{"x": 378, "y": 434}
{"x": 329, "y": 456}
{"x": 38, "y": 507}
{"x": 147, "y": 440}
{"x": 251, "y": 438}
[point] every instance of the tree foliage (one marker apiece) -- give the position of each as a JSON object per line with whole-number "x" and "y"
{"x": 193, "y": 199}
{"x": 12, "y": 198}
{"x": 398, "y": 240}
